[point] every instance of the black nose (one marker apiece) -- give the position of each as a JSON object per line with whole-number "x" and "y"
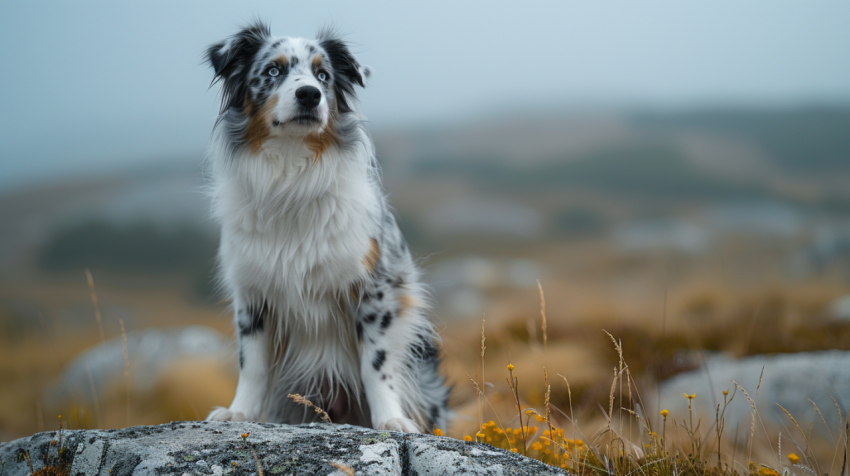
{"x": 308, "y": 96}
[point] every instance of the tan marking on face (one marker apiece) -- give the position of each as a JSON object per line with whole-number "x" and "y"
{"x": 371, "y": 258}
{"x": 406, "y": 302}
{"x": 259, "y": 122}
{"x": 317, "y": 61}
{"x": 282, "y": 59}
{"x": 320, "y": 142}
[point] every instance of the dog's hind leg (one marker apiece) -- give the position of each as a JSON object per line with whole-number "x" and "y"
{"x": 253, "y": 365}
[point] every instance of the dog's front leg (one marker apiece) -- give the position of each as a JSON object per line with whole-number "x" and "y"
{"x": 253, "y": 365}
{"x": 385, "y": 365}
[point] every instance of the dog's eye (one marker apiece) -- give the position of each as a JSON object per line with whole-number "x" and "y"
{"x": 322, "y": 76}
{"x": 273, "y": 72}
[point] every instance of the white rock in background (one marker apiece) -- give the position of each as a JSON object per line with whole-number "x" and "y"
{"x": 491, "y": 216}
{"x": 840, "y": 308}
{"x": 754, "y": 218}
{"x": 149, "y": 352}
{"x": 789, "y": 380}
{"x": 459, "y": 285}
{"x": 655, "y": 234}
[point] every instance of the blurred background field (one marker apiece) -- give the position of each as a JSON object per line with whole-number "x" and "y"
{"x": 700, "y": 222}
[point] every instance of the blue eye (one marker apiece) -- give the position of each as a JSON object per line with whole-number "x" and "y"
{"x": 322, "y": 76}
{"x": 273, "y": 72}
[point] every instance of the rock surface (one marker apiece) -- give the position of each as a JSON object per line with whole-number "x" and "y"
{"x": 216, "y": 448}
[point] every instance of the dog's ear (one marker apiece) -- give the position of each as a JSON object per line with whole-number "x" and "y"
{"x": 343, "y": 61}
{"x": 230, "y": 55}
{"x": 347, "y": 71}
{"x": 232, "y": 58}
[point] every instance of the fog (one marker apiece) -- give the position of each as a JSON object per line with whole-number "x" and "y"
{"x": 91, "y": 88}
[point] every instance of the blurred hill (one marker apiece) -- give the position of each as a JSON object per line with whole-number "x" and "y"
{"x": 809, "y": 140}
{"x": 502, "y": 183}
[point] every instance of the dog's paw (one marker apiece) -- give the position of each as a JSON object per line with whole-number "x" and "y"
{"x": 400, "y": 424}
{"x": 225, "y": 414}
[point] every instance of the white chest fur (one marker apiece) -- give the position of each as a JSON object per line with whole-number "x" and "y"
{"x": 295, "y": 230}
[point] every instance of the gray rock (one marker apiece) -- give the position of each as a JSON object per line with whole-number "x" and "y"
{"x": 840, "y": 308}
{"x": 789, "y": 380}
{"x": 216, "y": 448}
{"x": 149, "y": 351}
{"x": 88, "y": 458}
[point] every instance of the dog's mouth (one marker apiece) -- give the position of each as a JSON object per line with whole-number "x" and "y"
{"x": 301, "y": 120}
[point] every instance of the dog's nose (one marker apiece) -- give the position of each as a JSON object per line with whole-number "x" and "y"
{"x": 308, "y": 96}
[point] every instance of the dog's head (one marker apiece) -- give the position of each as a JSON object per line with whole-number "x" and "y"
{"x": 284, "y": 87}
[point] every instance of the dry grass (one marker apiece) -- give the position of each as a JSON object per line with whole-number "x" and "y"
{"x": 304, "y": 401}
{"x": 534, "y": 416}
{"x": 629, "y": 441}
{"x": 568, "y": 400}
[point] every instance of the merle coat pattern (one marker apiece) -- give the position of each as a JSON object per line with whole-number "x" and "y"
{"x": 326, "y": 297}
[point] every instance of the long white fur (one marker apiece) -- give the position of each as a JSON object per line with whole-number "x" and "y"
{"x": 295, "y": 232}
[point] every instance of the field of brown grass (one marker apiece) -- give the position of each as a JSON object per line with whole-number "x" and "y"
{"x": 569, "y": 374}
{"x": 573, "y": 394}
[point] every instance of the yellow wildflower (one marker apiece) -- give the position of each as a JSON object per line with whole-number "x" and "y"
{"x": 513, "y": 450}
{"x": 536, "y": 446}
{"x": 690, "y": 397}
{"x": 510, "y": 367}
{"x": 479, "y": 435}
{"x": 529, "y": 412}
{"x": 793, "y": 458}
{"x": 539, "y": 418}
{"x": 664, "y": 413}
{"x": 438, "y": 432}
{"x": 467, "y": 438}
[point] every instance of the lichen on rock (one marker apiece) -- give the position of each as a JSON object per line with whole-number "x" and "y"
{"x": 217, "y": 448}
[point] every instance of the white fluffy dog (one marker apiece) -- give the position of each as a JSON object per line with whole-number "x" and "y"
{"x": 326, "y": 297}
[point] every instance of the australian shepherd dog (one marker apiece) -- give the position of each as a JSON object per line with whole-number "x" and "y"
{"x": 326, "y": 298}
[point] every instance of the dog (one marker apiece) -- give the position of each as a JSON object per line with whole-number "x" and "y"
{"x": 327, "y": 300}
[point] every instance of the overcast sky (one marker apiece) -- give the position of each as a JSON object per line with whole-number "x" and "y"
{"x": 88, "y": 87}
